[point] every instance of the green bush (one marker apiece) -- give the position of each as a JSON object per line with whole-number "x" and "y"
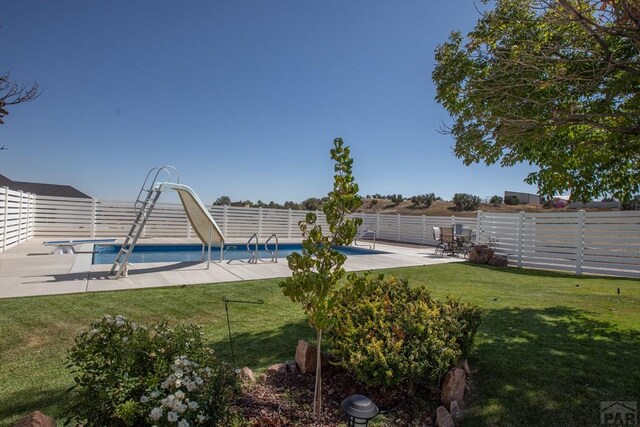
{"x": 396, "y": 199}
{"x": 512, "y": 200}
{"x": 390, "y": 335}
{"x": 496, "y": 200}
{"x": 128, "y": 375}
{"x": 423, "y": 200}
{"x": 466, "y": 202}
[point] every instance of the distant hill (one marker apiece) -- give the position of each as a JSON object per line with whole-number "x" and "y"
{"x": 443, "y": 208}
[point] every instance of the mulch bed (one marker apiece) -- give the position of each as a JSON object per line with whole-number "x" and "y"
{"x": 286, "y": 400}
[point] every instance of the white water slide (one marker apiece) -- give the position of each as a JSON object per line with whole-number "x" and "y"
{"x": 203, "y": 224}
{"x": 201, "y": 220}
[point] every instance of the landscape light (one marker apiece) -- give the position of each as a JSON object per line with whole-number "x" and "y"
{"x": 360, "y": 410}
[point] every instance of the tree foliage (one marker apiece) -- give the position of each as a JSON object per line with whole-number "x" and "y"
{"x": 13, "y": 93}
{"x": 555, "y": 83}
{"x": 316, "y": 271}
{"x": 466, "y": 202}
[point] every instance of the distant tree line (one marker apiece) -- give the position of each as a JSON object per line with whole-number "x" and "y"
{"x": 310, "y": 204}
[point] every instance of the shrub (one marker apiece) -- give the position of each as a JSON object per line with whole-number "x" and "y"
{"x": 423, "y": 200}
{"x": 396, "y": 199}
{"x": 391, "y": 335}
{"x": 496, "y": 200}
{"x": 511, "y": 200}
{"x": 466, "y": 202}
{"x": 127, "y": 375}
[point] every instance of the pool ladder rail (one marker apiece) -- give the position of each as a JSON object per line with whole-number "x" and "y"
{"x": 363, "y": 235}
{"x": 255, "y": 251}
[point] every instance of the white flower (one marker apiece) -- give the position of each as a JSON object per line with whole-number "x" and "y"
{"x": 154, "y": 394}
{"x": 193, "y": 405}
{"x": 183, "y": 423}
{"x": 201, "y": 418}
{"x": 190, "y": 386}
{"x": 156, "y": 413}
{"x": 180, "y": 407}
{"x": 179, "y": 395}
{"x": 144, "y": 399}
{"x": 172, "y": 417}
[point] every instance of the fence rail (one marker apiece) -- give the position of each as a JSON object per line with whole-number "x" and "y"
{"x": 580, "y": 242}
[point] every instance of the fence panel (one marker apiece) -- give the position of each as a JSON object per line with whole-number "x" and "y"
{"x": 16, "y": 217}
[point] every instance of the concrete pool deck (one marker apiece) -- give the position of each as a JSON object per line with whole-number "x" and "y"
{"x": 30, "y": 269}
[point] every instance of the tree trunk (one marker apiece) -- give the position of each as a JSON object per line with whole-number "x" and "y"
{"x": 317, "y": 393}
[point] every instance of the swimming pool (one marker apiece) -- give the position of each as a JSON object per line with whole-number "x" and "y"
{"x": 142, "y": 253}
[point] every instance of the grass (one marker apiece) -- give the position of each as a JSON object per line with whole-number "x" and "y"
{"x": 551, "y": 346}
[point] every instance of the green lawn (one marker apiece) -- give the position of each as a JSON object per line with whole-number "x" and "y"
{"x": 551, "y": 347}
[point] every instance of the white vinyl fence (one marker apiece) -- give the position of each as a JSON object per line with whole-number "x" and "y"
{"x": 580, "y": 242}
{"x": 58, "y": 217}
{"x": 17, "y": 212}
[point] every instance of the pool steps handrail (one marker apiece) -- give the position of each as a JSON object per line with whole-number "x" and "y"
{"x": 274, "y": 256}
{"x": 254, "y": 252}
{"x": 366, "y": 233}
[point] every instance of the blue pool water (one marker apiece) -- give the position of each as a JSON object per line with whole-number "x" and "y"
{"x": 106, "y": 254}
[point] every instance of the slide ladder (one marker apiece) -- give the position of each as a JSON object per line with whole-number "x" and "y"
{"x": 145, "y": 202}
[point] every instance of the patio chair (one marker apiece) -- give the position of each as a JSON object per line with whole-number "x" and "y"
{"x": 449, "y": 243}
{"x": 464, "y": 242}
{"x": 438, "y": 238}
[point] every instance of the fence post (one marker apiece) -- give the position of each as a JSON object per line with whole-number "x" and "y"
{"x": 21, "y": 196}
{"x": 520, "y": 236}
{"x": 398, "y": 227}
{"x": 378, "y": 224}
{"x": 453, "y": 220}
{"x": 94, "y": 212}
{"x": 28, "y": 230}
{"x": 260, "y": 222}
{"x": 478, "y": 226}
{"x": 224, "y": 219}
{"x": 6, "y": 212}
{"x": 290, "y": 225}
{"x": 580, "y": 242}
{"x": 424, "y": 230}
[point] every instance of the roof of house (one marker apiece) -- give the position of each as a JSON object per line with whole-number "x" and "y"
{"x": 42, "y": 189}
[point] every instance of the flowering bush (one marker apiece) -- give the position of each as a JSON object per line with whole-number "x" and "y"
{"x": 127, "y": 375}
{"x": 391, "y": 335}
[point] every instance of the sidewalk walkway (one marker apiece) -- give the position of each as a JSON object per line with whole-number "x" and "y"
{"x": 30, "y": 269}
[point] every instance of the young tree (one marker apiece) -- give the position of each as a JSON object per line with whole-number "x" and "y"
{"x": 553, "y": 83}
{"x": 316, "y": 272}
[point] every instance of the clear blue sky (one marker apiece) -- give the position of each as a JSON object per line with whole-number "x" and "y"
{"x": 243, "y": 97}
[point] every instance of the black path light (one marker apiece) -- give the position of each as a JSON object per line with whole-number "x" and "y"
{"x": 360, "y": 410}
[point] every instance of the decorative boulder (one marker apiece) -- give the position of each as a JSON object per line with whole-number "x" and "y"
{"x": 36, "y": 419}
{"x": 453, "y": 387}
{"x": 292, "y": 367}
{"x": 456, "y": 412}
{"x": 277, "y": 369}
{"x": 498, "y": 261}
{"x": 481, "y": 254}
{"x": 247, "y": 374}
{"x": 443, "y": 417}
{"x": 306, "y": 358}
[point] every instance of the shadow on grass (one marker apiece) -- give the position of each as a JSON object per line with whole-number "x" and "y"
{"x": 550, "y": 367}
{"x": 259, "y": 350}
{"x": 531, "y": 272}
{"x": 19, "y": 404}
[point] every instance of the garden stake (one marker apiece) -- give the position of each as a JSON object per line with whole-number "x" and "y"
{"x": 226, "y": 309}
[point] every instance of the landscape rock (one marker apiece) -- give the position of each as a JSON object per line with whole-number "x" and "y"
{"x": 498, "y": 261}
{"x": 277, "y": 369}
{"x": 247, "y": 374}
{"x": 306, "y": 358}
{"x": 443, "y": 417}
{"x": 455, "y": 411}
{"x": 292, "y": 367}
{"x": 453, "y": 387}
{"x": 481, "y": 254}
{"x": 36, "y": 419}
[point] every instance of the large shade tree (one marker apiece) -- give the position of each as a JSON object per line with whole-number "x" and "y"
{"x": 555, "y": 83}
